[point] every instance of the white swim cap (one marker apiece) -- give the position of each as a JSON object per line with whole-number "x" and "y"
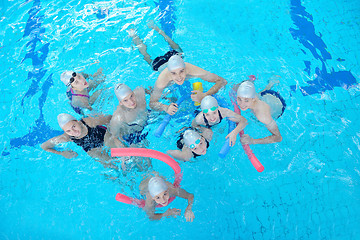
{"x": 156, "y": 186}
{"x": 246, "y": 90}
{"x": 64, "y": 118}
{"x": 209, "y": 102}
{"x": 175, "y": 62}
{"x": 65, "y": 77}
{"x": 191, "y": 138}
{"x": 122, "y": 91}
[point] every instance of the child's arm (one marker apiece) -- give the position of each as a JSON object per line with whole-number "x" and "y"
{"x": 98, "y": 78}
{"x": 264, "y": 116}
{"x": 115, "y": 125}
{"x": 51, "y": 143}
{"x": 94, "y": 96}
{"x": 237, "y": 118}
{"x": 183, "y": 155}
{"x": 98, "y": 120}
{"x": 207, "y": 76}
{"x": 83, "y": 102}
{"x": 195, "y": 122}
{"x": 150, "y": 210}
{"x": 189, "y": 215}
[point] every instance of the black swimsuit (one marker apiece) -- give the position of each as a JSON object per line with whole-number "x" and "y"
{"x": 93, "y": 139}
{"x": 207, "y": 122}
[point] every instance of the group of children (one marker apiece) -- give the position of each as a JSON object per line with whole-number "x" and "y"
{"x": 125, "y": 128}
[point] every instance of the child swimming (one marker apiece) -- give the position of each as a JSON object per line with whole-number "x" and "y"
{"x": 159, "y": 63}
{"x": 247, "y": 99}
{"x": 178, "y": 72}
{"x": 156, "y": 190}
{"x": 88, "y": 133}
{"x": 192, "y": 144}
{"x": 79, "y": 88}
{"x": 130, "y": 116}
{"x": 212, "y": 114}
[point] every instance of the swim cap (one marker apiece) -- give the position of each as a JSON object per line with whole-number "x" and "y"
{"x": 175, "y": 62}
{"x": 246, "y": 90}
{"x": 191, "y": 138}
{"x": 64, "y": 118}
{"x": 65, "y": 77}
{"x": 122, "y": 91}
{"x": 156, "y": 186}
{"x": 209, "y": 102}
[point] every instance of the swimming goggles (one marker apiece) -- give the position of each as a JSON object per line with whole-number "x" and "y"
{"x": 211, "y": 109}
{"x": 72, "y": 79}
{"x": 196, "y": 142}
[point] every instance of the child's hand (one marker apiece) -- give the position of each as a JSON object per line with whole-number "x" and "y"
{"x": 69, "y": 154}
{"x": 189, "y": 215}
{"x": 232, "y": 138}
{"x": 246, "y": 140}
{"x": 172, "y": 212}
{"x": 172, "y": 109}
{"x": 197, "y": 95}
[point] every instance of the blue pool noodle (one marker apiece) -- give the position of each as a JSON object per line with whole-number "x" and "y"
{"x": 159, "y": 131}
{"x": 226, "y": 148}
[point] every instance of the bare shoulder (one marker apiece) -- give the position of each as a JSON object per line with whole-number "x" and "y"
{"x": 140, "y": 95}
{"x": 97, "y": 120}
{"x": 191, "y": 69}
{"x": 263, "y": 113}
{"x": 225, "y": 112}
{"x": 118, "y": 115}
{"x": 199, "y": 119}
{"x": 163, "y": 79}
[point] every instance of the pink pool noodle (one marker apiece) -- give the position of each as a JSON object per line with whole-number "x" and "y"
{"x": 253, "y": 159}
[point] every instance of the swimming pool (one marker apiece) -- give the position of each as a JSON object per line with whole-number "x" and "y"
{"x": 310, "y": 186}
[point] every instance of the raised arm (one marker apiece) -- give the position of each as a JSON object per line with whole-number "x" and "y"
{"x": 50, "y": 144}
{"x": 198, "y": 72}
{"x": 155, "y": 104}
{"x": 98, "y": 78}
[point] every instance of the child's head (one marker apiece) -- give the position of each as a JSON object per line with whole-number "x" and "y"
{"x": 209, "y": 107}
{"x": 246, "y": 95}
{"x": 195, "y": 142}
{"x": 75, "y": 80}
{"x": 125, "y": 96}
{"x": 176, "y": 67}
{"x": 69, "y": 124}
{"x": 159, "y": 191}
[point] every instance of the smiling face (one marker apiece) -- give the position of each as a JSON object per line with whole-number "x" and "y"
{"x": 72, "y": 128}
{"x": 162, "y": 198}
{"x": 245, "y": 103}
{"x": 212, "y": 116}
{"x": 178, "y": 75}
{"x": 201, "y": 148}
{"x": 79, "y": 82}
{"x": 129, "y": 101}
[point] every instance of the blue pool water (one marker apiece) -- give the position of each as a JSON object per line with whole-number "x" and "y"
{"x": 310, "y": 186}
